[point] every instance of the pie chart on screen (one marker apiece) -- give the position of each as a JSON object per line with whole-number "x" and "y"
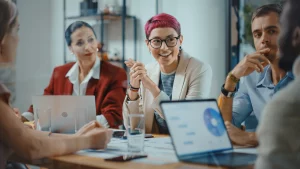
{"x": 214, "y": 122}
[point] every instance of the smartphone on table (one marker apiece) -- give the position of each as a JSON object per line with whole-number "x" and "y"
{"x": 118, "y": 134}
{"x": 121, "y": 134}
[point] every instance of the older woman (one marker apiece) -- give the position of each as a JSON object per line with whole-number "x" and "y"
{"x": 174, "y": 76}
{"x": 89, "y": 76}
{"x": 14, "y": 136}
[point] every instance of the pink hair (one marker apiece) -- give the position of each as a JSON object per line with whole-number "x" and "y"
{"x": 162, "y": 20}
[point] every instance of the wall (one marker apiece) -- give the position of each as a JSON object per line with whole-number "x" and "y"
{"x": 42, "y": 38}
{"x": 143, "y": 10}
{"x": 36, "y": 53}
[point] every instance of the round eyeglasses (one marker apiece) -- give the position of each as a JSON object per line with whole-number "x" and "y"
{"x": 170, "y": 42}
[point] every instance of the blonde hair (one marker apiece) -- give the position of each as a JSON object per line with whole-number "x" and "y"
{"x": 13, "y": 13}
{"x": 8, "y": 15}
{"x": 4, "y": 18}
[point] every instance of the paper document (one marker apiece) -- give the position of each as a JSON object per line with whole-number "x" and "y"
{"x": 160, "y": 151}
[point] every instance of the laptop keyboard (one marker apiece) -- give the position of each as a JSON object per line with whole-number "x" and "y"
{"x": 225, "y": 159}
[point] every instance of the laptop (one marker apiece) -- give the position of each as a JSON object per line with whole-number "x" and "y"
{"x": 65, "y": 112}
{"x": 199, "y": 135}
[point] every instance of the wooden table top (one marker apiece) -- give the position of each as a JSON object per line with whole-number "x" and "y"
{"x": 75, "y": 161}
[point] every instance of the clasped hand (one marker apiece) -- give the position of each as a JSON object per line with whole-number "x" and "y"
{"x": 138, "y": 74}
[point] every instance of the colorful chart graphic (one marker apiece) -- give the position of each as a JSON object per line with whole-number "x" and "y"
{"x": 214, "y": 122}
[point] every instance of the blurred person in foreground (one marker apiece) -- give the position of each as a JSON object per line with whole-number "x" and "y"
{"x": 17, "y": 139}
{"x": 279, "y": 130}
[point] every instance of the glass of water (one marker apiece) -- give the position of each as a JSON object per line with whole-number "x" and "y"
{"x": 81, "y": 118}
{"x": 136, "y": 133}
{"x": 43, "y": 119}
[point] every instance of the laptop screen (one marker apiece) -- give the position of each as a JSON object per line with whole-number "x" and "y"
{"x": 65, "y": 112}
{"x": 196, "y": 126}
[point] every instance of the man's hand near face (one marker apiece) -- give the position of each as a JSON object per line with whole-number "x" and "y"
{"x": 252, "y": 62}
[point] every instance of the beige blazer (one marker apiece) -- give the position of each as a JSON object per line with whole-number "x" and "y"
{"x": 192, "y": 81}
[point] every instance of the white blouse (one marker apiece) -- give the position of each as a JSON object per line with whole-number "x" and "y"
{"x": 80, "y": 89}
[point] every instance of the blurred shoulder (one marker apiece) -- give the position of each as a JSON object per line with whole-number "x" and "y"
{"x": 279, "y": 129}
{"x": 192, "y": 64}
{"x": 284, "y": 104}
{"x": 63, "y": 69}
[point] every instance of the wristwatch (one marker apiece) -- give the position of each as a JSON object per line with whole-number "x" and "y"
{"x": 226, "y": 92}
{"x": 233, "y": 78}
{"x": 128, "y": 98}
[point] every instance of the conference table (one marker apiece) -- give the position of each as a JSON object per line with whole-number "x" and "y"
{"x": 75, "y": 161}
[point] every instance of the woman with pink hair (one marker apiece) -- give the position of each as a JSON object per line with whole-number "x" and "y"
{"x": 174, "y": 76}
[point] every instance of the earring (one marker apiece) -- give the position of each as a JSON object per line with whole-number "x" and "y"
{"x": 180, "y": 48}
{"x": 97, "y": 49}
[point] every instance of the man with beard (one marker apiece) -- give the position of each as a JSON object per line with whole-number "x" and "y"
{"x": 261, "y": 77}
{"x": 279, "y": 131}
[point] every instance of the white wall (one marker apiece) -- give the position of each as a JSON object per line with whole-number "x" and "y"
{"x": 42, "y": 38}
{"x": 36, "y": 53}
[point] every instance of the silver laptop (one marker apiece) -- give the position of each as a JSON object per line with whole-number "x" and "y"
{"x": 199, "y": 135}
{"x": 66, "y": 112}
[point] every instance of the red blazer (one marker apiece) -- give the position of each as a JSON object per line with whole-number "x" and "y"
{"x": 109, "y": 90}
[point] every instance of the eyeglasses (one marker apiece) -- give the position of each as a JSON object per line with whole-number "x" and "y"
{"x": 170, "y": 42}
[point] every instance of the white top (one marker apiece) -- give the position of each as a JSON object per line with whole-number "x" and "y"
{"x": 80, "y": 89}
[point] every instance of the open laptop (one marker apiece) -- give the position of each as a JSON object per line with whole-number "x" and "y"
{"x": 199, "y": 135}
{"x": 64, "y": 110}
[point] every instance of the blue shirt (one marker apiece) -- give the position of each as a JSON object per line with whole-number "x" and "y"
{"x": 254, "y": 92}
{"x": 166, "y": 82}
